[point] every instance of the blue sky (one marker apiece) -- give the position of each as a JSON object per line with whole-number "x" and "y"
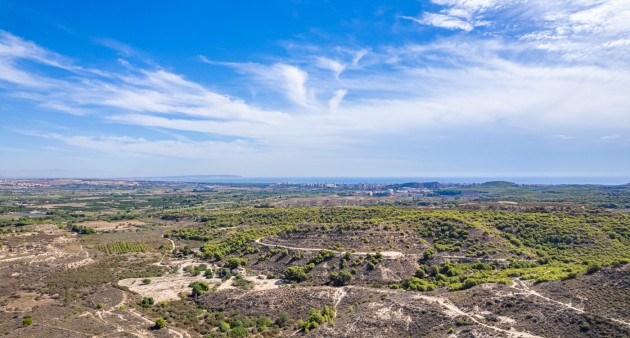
{"x": 437, "y": 88}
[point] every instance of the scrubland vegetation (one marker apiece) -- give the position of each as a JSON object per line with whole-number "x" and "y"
{"x": 257, "y": 260}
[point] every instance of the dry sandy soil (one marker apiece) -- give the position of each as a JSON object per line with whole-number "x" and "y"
{"x": 118, "y": 225}
{"x": 171, "y": 286}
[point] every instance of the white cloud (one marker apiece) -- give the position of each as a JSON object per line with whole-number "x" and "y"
{"x": 333, "y": 65}
{"x": 576, "y": 31}
{"x": 126, "y": 145}
{"x": 118, "y": 46}
{"x": 472, "y": 82}
{"x": 10, "y": 73}
{"x": 563, "y": 137}
{"x": 295, "y": 84}
{"x": 443, "y": 21}
{"x": 334, "y": 102}
{"x": 13, "y": 47}
{"x": 459, "y": 14}
{"x": 358, "y": 56}
{"x": 289, "y": 80}
{"x": 140, "y": 90}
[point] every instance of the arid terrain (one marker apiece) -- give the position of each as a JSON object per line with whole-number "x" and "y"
{"x": 275, "y": 261}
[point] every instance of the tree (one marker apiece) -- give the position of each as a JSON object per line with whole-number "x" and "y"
{"x": 295, "y": 273}
{"x": 160, "y": 323}
{"x": 234, "y": 262}
{"x": 27, "y": 321}
{"x": 428, "y": 253}
{"x": 147, "y": 302}
{"x": 340, "y": 278}
{"x": 199, "y": 288}
{"x": 224, "y": 273}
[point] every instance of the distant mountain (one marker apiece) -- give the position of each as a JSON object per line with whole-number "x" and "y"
{"x": 427, "y": 185}
{"x": 498, "y": 184}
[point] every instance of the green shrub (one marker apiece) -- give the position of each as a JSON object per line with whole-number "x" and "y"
{"x": 263, "y": 323}
{"x": 322, "y": 256}
{"x": 147, "y": 302}
{"x": 224, "y": 327}
{"x": 160, "y": 323}
{"x": 416, "y": 284}
{"x": 239, "y": 331}
{"x": 199, "y": 288}
{"x": 340, "y": 278}
{"x": 284, "y": 319}
{"x": 295, "y": 273}
{"x": 234, "y": 262}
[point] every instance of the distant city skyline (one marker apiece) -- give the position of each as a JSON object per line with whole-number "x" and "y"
{"x": 441, "y": 88}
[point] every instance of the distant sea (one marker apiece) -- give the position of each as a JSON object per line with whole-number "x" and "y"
{"x": 395, "y": 180}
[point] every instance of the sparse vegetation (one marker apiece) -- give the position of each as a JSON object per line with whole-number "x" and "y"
{"x": 456, "y": 243}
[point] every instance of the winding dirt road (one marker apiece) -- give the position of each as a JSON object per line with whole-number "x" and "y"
{"x": 386, "y": 254}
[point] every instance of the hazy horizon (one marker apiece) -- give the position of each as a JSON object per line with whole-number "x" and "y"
{"x": 560, "y": 180}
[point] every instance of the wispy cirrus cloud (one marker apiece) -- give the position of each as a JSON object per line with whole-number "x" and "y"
{"x": 560, "y": 71}
{"x": 82, "y": 91}
{"x": 121, "y": 48}
{"x": 443, "y": 21}
{"x": 463, "y": 15}
{"x": 578, "y": 30}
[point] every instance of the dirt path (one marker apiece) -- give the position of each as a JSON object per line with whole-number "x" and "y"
{"x": 486, "y": 259}
{"x": 162, "y": 258}
{"x": 142, "y": 332}
{"x": 172, "y": 243}
{"x": 524, "y": 289}
{"x": 340, "y": 293}
{"x": 85, "y": 261}
{"x": 386, "y": 254}
{"x": 453, "y": 310}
